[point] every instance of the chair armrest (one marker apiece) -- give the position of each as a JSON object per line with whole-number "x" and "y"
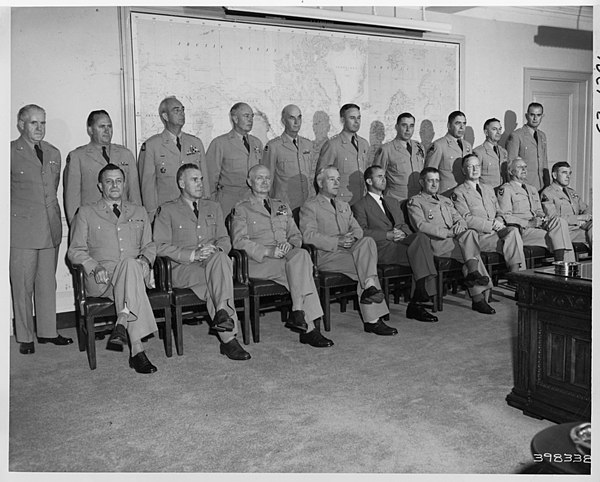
{"x": 312, "y": 251}
{"x": 79, "y": 288}
{"x": 163, "y": 274}
{"x": 240, "y": 265}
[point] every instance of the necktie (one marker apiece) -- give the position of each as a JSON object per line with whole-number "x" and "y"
{"x": 566, "y": 193}
{"x": 478, "y": 190}
{"x": 460, "y": 145}
{"x": 195, "y": 203}
{"x": 535, "y": 136}
{"x": 246, "y": 143}
{"x": 39, "y": 153}
{"x": 409, "y": 148}
{"x": 497, "y": 151}
{"x": 525, "y": 188}
{"x": 116, "y": 210}
{"x": 178, "y": 144}
{"x": 332, "y": 203}
{"x": 295, "y": 141}
{"x": 267, "y": 207}
{"x": 105, "y": 154}
{"x": 388, "y": 213}
{"x": 355, "y": 143}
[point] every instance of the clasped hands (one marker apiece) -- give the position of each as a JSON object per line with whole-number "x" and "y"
{"x": 457, "y": 228}
{"x": 346, "y": 241}
{"x": 395, "y": 235}
{"x": 204, "y": 251}
{"x": 280, "y": 250}
{"x": 101, "y": 275}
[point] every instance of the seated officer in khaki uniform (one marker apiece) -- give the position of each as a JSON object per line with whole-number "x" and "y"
{"x": 521, "y": 206}
{"x": 328, "y": 223}
{"x": 191, "y": 232}
{"x": 477, "y": 203}
{"x": 112, "y": 239}
{"x": 450, "y": 237}
{"x": 558, "y": 199}
{"x": 265, "y": 229}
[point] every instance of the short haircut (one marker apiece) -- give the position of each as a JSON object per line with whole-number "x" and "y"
{"x": 454, "y": 114}
{"x": 321, "y": 173}
{"x": 235, "y": 107}
{"x": 24, "y": 111}
{"x": 369, "y": 172}
{"x": 535, "y": 104}
{"x": 427, "y": 170}
{"x": 559, "y": 164}
{"x": 488, "y": 122}
{"x": 162, "y": 107}
{"x": 511, "y": 164}
{"x": 109, "y": 167}
{"x": 256, "y": 167}
{"x": 405, "y": 115}
{"x": 185, "y": 167}
{"x": 92, "y": 117}
{"x": 470, "y": 156}
{"x": 346, "y": 107}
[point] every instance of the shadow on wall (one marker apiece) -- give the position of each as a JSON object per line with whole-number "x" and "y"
{"x": 469, "y": 135}
{"x": 376, "y": 138}
{"x": 510, "y": 124}
{"x": 426, "y": 133}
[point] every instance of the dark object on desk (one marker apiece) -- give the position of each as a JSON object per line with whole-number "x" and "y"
{"x": 555, "y": 451}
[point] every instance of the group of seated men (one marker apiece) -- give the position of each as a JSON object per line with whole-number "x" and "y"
{"x": 352, "y": 214}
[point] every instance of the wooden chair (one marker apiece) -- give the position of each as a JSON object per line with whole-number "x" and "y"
{"x": 449, "y": 272}
{"x": 394, "y": 277}
{"x": 536, "y": 256}
{"x": 95, "y": 314}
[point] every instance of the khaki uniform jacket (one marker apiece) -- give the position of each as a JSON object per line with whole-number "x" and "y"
{"x": 479, "y": 211}
{"x": 445, "y": 155}
{"x": 521, "y": 143}
{"x": 158, "y": 163}
{"x": 434, "y": 217}
{"x": 401, "y": 168}
{"x": 80, "y": 180}
{"x": 291, "y": 169}
{"x": 351, "y": 164}
{"x": 493, "y": 168}
{"x": 35, "y": 219}
{"x": 517, "y": 205}
{"x": 556, "y": 203}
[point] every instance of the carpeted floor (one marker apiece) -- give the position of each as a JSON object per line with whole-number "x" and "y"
{"x": 429, "y": 400}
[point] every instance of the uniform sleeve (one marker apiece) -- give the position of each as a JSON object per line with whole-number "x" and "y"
{"x": 148, "y": 247}
{"x": 147, "y": 179}
{"x": 355, "y": 228}
{"x": 57, "y": 177}
{"x": 240, "y": 237}
{"x": 204, "y": 169}
{"x": 505, "y": 204}
{"x": 133, "y": 180}
{"x": 512, "y": 146}
{"x": 78, "y": 252}
{"x": 293, "y": 234}
{"x": 222, "y": 240}
{"x": 417, "y": 218}
{"x": 269, "y": 159}
{"x": 380, "y": 158}
{"x": 214, "y": 159}
{"x": 360, "y": 215}
{"x": 72, "y": 186}
{"x": 479, "y": 224}
{"x": 163, "y": 237}
{"x": 310, "y": 229}
{"x": 327, "y": 156}
{"x": 536, "y": 206}
{"x": 434, "y": 156}
{"x": 548, "y": 204}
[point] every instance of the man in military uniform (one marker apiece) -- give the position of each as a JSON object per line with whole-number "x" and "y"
{"x": 348, "y": 152}
{"x": 80, "y": 180}
{"x": 558, "y": 199}
{"x": 381, "y": 218}
{"x": 402, "y": 159}
{"x": 493, "y": 157}
{"x": 327, "y": 222}
{"x": 477, "y": 203}
{"x": 162, "y": 154}
{"x": 265, "y": 229}
{"x": 112, "y": 240}
{"x": 529, "y": 143}
{"x": 35, "y": 230}
{"x": 230, "y": 156}
{"x": 450, "y": 237}
{"x": 288, "y": 157}
{"x": 191, "y": 232}
{"x": 521, "y": 206}
{"x": 446, "y": 153}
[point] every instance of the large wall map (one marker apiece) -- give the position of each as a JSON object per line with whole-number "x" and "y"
{"x": 209, "y": 65}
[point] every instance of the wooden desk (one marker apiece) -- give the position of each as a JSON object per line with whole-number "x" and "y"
{"x": 552, "y": 367}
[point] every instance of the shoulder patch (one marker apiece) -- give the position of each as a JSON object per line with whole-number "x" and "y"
{"x": 501, "y": 191}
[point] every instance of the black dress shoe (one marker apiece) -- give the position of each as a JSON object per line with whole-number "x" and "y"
{"x": 99, "y": 335}
{"x": 296, "y": 321}
{"x": 315, "y": 338}
{"x": 417, "y": 312}
{"x": 59, "y": 340}
{"x": 482, "y": 307}
{"x": 222, "y": 321}
{"x": 141, "y": 364}
{"x": 27, "y": 348}
{"x": 117, "y": 338}
{"x": 371, "y": 295}
{"x": 192, "y": 321}
{"x": 476, "y": 278}
{"x": 234, "y": 350}
{"x": 420, "y": 296}
{"x": 380, "y": 328}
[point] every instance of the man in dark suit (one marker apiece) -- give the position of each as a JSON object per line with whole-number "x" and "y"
{"x": 35, "y": 230}
{"x": 382, "y": 219}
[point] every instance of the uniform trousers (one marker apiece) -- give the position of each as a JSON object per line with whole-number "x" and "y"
{"x": 33, "y": 275}
{"x": 358, "y": 263}
{"x": 579, "y": 235}
{"x": 507, "y": 242}
{"x": 553, "y": 235}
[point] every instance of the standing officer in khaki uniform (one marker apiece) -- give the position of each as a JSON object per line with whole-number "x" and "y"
{"x": 402, "y": 159}
{"x": 520, "y": 205}
{"x": 191, "y": 232}
{"x": 493, "y": 157}
{"x": 35, "y": 230}
{"x": 477, "y": 203}
{"x": 348, "y": 152}
{"x": 162, "y": 154}
{"x": 529, "y": 143}
{"x": 327, "y": 222}
{"x": 558, "y": 199}
{"x": 288, "y": 157}
{"x": 446, "y": 153}
{"x": 112, "y": 240}
{"x": 450, "y": 237}
{"x": 265, "y": 229}
{"x": 230, "y": 156}
{"x": 80, "y": 180}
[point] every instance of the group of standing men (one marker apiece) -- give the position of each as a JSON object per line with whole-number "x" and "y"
{"x": 349, "y": 210}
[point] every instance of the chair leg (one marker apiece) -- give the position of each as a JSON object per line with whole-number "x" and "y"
{"x": 246, "y": 321}
{"x": 255, "y": 321}
{"x": 326, "y": 309}
{"x": 168, "y": 328}
{"x": 80, "y": 333}
{"x": 440, "y": 294}
{"x": 343, "y": 303}
{"x": 91, "y": 342}
{"x": 178, "y": 328}
{"x": 385, "y": 287}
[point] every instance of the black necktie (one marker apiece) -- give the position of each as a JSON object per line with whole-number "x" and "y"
{"x": 267, "y": 207}
{"x": 355, "y": 143}
{"x": 478, "y": 190}
{"x": 105, "y": 154}
{"x": 116, "y": 210}
{"x": 332, "y": 203}
{"x": 497, "y": 151}
{"x": 525, "y": 188}
{"x": 535, "y": 136}
{"x": 566, "y": 192}
{"x": 39, "y": 153}
{"x": 246, "y": 143}
{"x": 460, "y": 144}
{"x": 295, "y": 141}
{"x": 195, "y": 203}
{"x": 409, "y": 148}
{"x": 388, "y": 213}
{"x": 178, "y": 144}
